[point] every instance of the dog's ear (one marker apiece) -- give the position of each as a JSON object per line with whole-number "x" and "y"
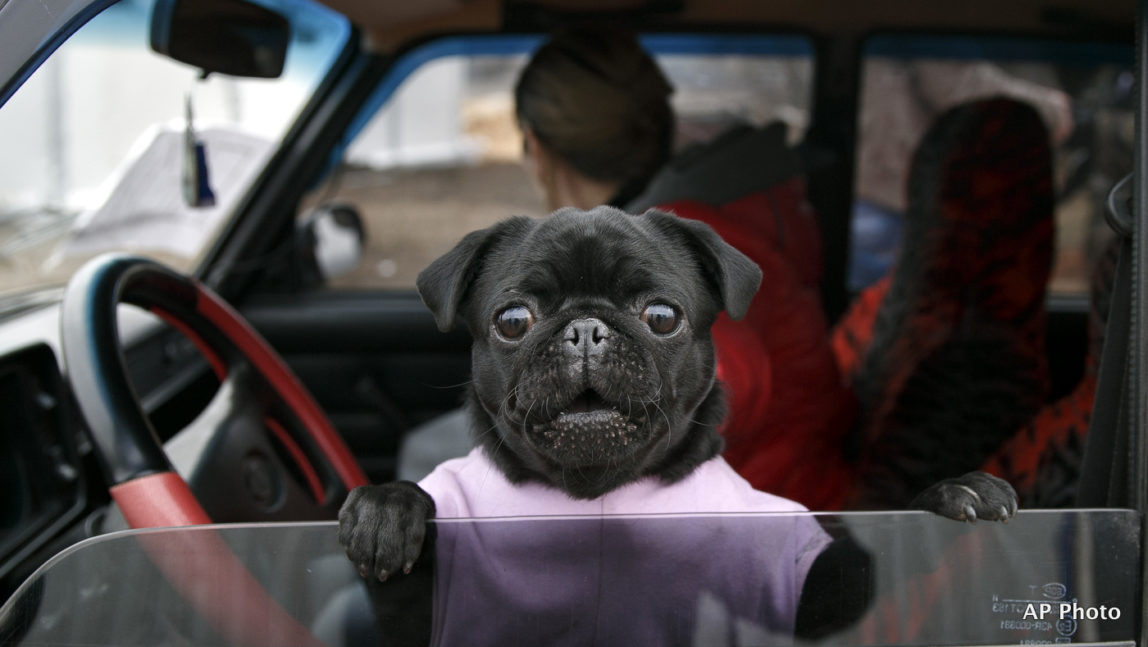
{"x": 735, "y": 275}
{"x": 443, "y": 285}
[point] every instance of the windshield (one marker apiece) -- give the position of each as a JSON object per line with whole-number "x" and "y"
{"x": 91, "y": 158}
{"x": 1045, "y": 577}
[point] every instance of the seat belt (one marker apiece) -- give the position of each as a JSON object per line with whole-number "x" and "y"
{"x": 1105, "y": 469}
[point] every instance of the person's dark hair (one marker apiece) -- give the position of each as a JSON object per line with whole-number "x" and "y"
{"x": 598, "y": 101}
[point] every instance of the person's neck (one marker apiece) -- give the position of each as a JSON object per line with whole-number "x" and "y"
{"x": 575, "y": 190}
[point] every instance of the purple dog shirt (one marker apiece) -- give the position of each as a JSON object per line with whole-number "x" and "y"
{"x": 648, "y": 563}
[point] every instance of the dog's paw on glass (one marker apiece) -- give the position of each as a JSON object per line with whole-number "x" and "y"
{"x": 383, "y": 527}
{"x": 971, "y": 497}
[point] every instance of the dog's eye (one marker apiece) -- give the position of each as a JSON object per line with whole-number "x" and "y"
{"x": 513, "y": 322}
{"x": 661, "y": 318}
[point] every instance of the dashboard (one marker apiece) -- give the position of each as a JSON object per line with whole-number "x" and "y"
{"x": 52, "y": 489}
{"x": 41, "y": 473}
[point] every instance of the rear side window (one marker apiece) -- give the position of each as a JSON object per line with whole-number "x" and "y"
{"x": 437, "y": 152}
{"x": 1083, "y": 92}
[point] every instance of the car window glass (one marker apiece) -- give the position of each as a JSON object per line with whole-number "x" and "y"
{"x": 437, "y": 153}
{"x": 91, "y": 158}
{"x": 1046, "y": 577}
{"x": 1083, "y": 92}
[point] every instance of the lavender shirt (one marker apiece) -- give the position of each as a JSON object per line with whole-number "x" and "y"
{"x": 621, "y": 569}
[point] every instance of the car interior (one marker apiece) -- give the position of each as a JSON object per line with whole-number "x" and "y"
{"x": 272, "y": 175}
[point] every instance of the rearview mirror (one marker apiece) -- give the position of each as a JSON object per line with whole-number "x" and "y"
{"x": 230, "y": 37}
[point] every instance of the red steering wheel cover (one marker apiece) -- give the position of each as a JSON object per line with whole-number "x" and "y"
{"x": 202, "y": 567}
{"x": 268, "y": 363}
{"x": 158, "y": 501}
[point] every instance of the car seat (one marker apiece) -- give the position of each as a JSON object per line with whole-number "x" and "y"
{"x": 1043, "y": 460}
{"x": 954, "y": 360}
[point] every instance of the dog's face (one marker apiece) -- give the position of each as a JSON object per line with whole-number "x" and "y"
{"x": 592, "y": 360}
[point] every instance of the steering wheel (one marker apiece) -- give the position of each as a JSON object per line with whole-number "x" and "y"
{"x": 265, "y": 451}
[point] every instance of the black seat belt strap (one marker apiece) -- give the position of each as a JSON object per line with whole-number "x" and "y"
{"x": 1104, "y": 470}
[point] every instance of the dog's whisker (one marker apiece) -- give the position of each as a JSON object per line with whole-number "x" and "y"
{"x": 513, "y": 394}
{"x": 445, "y": 387}
{"x": 501, "y": 438}
{"x": 526, "y": 417}
{"x": 500, "y": 443}
{"x": 669, "y": 427}
{"x": 504, "y": 404}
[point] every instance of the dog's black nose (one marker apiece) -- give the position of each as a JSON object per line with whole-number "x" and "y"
{"x": 587, "y": 337}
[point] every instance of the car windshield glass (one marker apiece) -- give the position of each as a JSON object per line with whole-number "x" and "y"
{"x": 1045, "y": 577}
{"x": 93, "y": 156}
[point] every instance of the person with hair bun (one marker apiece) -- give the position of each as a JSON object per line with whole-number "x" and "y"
{"x": 598, "y": 128}
{"x": 595, "y": 115}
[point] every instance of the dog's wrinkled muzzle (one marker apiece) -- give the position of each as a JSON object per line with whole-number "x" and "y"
{"x": 591, "y": 411}
{"x": 598, "y": 437}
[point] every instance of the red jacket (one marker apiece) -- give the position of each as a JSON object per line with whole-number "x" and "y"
{"x": 789, "y": 409}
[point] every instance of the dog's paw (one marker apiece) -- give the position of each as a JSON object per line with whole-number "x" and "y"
{"x": 382, "y": 527}
{"x": 975, "y": 495}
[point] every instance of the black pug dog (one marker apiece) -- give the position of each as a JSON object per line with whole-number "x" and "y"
{"x": 593, "y": 368}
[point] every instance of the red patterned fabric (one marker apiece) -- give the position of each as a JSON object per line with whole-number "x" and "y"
{"x": 854, "y": 331}
{"x": 956, "y": 361}
{"x": 789, "y": 409}
{"x": 1043, "y": 459}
